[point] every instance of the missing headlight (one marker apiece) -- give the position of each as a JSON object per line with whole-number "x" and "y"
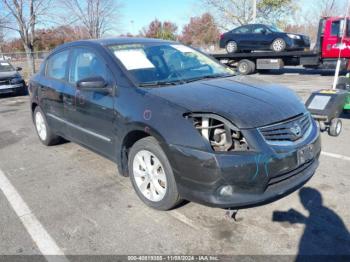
{"x": 220, "y": 133}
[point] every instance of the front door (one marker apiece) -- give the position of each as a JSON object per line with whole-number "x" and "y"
{"x": 90, "y": 113}
{"x": 261, "y": 37}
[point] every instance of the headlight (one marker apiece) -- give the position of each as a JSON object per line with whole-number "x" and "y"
{"x": 16, "y": 80}
{"x": 221, "y": 134}
{"x": 293, "y": 36}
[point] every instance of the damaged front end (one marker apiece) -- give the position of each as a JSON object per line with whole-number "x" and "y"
{"x": 241, "y": 168}
{"x": 221, "y": 134}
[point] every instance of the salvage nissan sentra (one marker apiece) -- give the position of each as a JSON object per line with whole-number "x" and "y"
{"x": 181, "y": 125}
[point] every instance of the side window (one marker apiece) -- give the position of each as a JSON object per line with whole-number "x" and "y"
{"x": 242, "y": 30}
{"x": 85, "y": 64}
{"x": 348, "y": 27}
{"x": 259, "y": 30}
{"x": 335, "y": 28}
{"x": 56, "y": 65}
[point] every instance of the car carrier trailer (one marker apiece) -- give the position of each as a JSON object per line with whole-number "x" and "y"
{"x": 330, "y": 41}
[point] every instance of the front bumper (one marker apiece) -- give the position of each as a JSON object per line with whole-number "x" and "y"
{"x": 7, "y": 89}
{"x": 297, "y": 44}
{"x": 257, "y": 178}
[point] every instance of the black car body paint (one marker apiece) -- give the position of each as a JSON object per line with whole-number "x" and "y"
{"x": 109, "y": 123}
{"x": 10, "y": 80}
{"x": 251, "y": 40}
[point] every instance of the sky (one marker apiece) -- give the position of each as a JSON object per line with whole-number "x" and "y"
{"x": 137, "y": 14}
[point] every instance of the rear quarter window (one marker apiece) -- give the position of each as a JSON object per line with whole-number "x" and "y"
{"x": 56, "y": 65}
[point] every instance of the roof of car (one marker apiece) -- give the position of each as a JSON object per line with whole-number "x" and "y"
{"x": 116, "y": 41}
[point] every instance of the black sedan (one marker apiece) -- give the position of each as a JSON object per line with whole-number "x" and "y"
{"x": 11, "y": 82}
{"x": 180, "y": 124}
{"x": 262, "y": 37}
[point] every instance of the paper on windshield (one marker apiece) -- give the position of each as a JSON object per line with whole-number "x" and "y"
{"x": 183, "y": 48}
{"x": 5, "y": 64}
{"x": 133, "y": 59}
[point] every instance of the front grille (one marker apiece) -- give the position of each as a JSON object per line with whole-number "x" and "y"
{"x": 4, "y": 82}
{"x": 287, "y": 131}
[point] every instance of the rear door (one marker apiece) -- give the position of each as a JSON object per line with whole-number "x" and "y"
{"x": 90, "y": 113}
{"x": 52, "y": 87}
{"x": 243, "y": 37}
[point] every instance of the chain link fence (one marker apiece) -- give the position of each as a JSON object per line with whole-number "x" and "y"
{"x": 19, "y": 59}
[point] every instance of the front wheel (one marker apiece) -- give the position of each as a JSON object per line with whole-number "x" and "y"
{"x": 279, "y": 45}
{"x": 152, "y": 176}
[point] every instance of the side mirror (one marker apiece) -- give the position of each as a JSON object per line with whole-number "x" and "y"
{"x": 18, "y": 68}
{"x": 94, "y": 84}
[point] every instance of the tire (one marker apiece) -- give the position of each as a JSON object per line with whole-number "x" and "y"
{"x": 45, "y": 134}
{"x": 162, "y": 193}
{"x": 246, "y": 67}
{"x": 335, "y": 127}
{"x": 278, "y": 45}
{"x": 231, "y": 47}
{"x": 23, "y": 92}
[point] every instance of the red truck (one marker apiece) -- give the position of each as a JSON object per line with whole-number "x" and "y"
{"x": 331, "y": 42}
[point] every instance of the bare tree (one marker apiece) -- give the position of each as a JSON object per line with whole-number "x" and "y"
{"x": 2, "y": 37}
{"x": 230, "y": 13}
{"x": 23, "y": 16}
{"x": 97, "y": 16}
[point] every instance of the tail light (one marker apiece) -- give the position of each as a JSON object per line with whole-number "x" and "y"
{"x": 221, "y": 36}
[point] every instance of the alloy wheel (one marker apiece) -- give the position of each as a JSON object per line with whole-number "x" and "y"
{"x": 231, "y": 47}
{"x": 278, "y": 45}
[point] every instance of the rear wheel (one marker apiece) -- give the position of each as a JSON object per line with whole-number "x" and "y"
{"x": 231, "y": 47}
{"x": 246, "y": 67}
{"x": 45, "y": 134}
{"x": 152, "y": 176}
{"x": 278, "y": 45}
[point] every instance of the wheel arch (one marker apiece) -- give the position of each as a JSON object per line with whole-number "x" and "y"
{"x": 130, "y": 139}
{"x": 32, "y": 107}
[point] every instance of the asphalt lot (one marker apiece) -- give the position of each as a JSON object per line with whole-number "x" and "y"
{"x": 85, "y": 208}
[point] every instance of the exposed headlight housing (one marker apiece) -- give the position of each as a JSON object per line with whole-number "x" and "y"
{"x": 16, "y": 80}
{"x": 221, "y": 134}
{"x": 292, "y": 36}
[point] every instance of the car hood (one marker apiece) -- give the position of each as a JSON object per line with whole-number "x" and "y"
{"x": 9, "y": 74}
{"x": 248, "y": 103}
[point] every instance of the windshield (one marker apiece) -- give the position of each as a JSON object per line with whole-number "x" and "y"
{"x": 6, "y": 67}
{"x": 274, "y": 29}
{"x": 156, "y": 64}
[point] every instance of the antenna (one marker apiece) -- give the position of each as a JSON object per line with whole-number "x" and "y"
{"x": 341, "y": 47}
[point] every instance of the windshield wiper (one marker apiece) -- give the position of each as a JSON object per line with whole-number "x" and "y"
{"x": 161, "y": 83}
{"x": 207, "y": 77}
